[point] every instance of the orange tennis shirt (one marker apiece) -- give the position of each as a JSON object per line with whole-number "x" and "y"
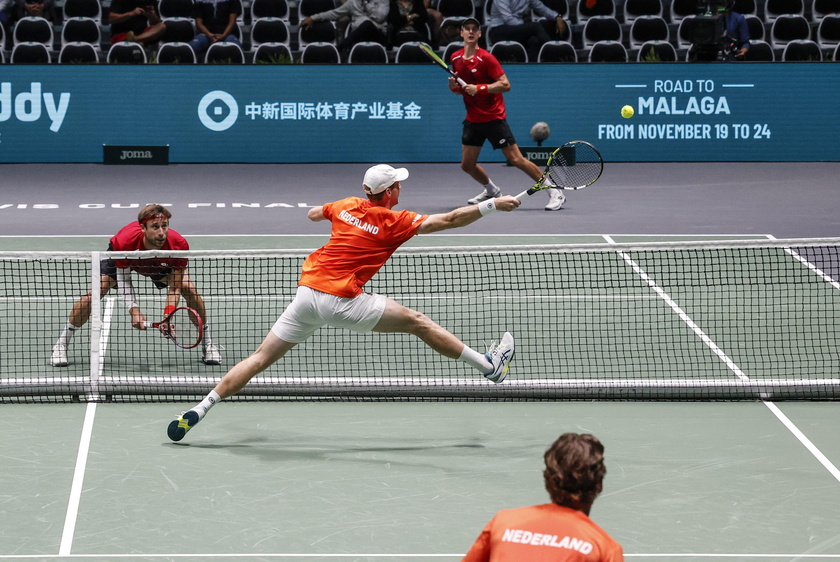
{"x": 544, "y": 533}
{"x": 363, "y": 237}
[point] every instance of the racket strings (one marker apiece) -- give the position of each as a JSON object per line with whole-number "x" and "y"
{"x": 575, "y": 166}
{"x": 185, "y": 328}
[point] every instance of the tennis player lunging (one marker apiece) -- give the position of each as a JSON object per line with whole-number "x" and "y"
{"x": 364, "y": 234}
{"x": 560, "y": 530}
{"x": 486, "y": 115}
{"x": 150, "y": 232}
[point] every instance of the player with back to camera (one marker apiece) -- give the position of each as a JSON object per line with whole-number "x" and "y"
{"x": 559, "y": 531}
{"x": 150, "y": 232}
{"x": 364, "y": 234}
{"x": 487, "y": 116}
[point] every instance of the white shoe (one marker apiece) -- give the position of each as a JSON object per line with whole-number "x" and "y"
{"x": 483, "y": 196}
{"x": 59, "y": 355}
{"x": 500, "y": 356}
{"x": 212, "y": 355}
{"x": 555, "y": 200}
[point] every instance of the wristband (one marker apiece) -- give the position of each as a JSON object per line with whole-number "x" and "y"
{"x": 168, "y": 310}
{"x": 487, "y": 207}
{"x": 482, "y": 88}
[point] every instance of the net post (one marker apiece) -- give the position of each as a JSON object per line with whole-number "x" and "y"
{"x": 95, "y": 326}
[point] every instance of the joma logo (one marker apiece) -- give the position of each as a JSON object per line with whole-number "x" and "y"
{"x": 133, "y": 154}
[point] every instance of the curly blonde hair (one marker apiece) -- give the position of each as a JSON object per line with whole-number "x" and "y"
{"x": 574, "y": 470}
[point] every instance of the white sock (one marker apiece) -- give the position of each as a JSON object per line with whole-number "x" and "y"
{"x": 66, "y": 335}
{"x": 208, "y": 340}
{"x": 491, "y": 187}
{"x": 476, "y": 359}
{"x": 209, "y": 401}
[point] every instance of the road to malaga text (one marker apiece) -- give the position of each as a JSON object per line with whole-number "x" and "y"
{"x": 670, "y": 101}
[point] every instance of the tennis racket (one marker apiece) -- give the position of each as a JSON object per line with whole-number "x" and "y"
{"x": 574, "y": 165}
{"x": 439, "y": 61}
{"x": 183, "y": 326}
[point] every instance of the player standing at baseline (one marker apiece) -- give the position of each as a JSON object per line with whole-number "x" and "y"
{"x": 150, "y": 232}
{"x": 364, "y": 235}
{"x": 487, "y": 116}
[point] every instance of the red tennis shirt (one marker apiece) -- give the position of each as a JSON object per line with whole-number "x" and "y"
{"x": 482, "y": 68}
{"x": 130, "y": 238}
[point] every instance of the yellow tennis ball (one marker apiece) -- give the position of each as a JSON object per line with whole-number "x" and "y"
{"x": 627, "y": 112}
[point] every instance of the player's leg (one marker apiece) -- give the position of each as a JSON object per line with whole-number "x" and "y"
{"x": 515, "y": 157}
{"x": 212, "y": 353}
{"x": 79, "y": 315}
{"x": 493, "y": 364}
{"x": 269, "y": 352}
{"x": 472, "y": 139}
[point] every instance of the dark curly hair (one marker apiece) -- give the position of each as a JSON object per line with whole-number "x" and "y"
{"x": 574, "y": 470}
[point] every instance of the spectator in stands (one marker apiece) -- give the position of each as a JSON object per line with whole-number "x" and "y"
{"x": 6, "y": 14}
{"x": 368, "y": 22}
{"x": 737, "y": 34}
{"x": 486, "y": 120}
{"x": 215, "y": 21}
{"x": 39, "y": 9}
{"x": 510, "y": 21}
{"x": 135, "y": 20}
{"x": 408, "y": 21}
{"x": 574, "y": 475}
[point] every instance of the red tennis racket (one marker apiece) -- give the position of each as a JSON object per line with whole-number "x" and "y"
{"x": 183, "y": 326}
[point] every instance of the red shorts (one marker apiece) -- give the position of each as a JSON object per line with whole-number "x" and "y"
{"x": 122, "y": 36}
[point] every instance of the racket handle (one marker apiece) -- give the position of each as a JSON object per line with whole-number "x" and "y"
{"x": 460, "y": 81}
{"x": 524, "y": 194}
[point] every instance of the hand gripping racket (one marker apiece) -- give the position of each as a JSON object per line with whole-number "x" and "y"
{"x": 574, "y": 165}
{"x": 183, "y": 326}
{"x": 439, "y": 61}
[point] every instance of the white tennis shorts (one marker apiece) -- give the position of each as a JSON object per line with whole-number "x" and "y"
{"x": 311, "y": 309}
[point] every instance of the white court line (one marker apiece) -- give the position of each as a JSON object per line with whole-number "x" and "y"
{"x": 731, "y": 364}
{"x": 84, "y": 446}
{"x": 203, "y": 556}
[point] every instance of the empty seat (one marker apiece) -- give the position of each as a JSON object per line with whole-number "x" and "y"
{"x": 607, "y": 51}
{"x": 656, "y": 51}
{"x": 318, "y": 32}
{"x": 822, "y": 8}
{"x": 224, "y": 52}
{"x": 126, "y": 52}
{"x": 509, "y": 52}
{"x": 601, "y": 28}
{"x": 273, "y": 53}
{"x": 175, "y": 9}
{"x": 82, "y": 9}
{"x": 269, "y": 9}
{"x": 176, "y": 53}
{"x": 309, "y": 7}
{"x": 368, "y": 52}
{"x": 30, "y": 53}
{"x": 789, "y": 28}
{"x": 599, "y": 8}
{"x": 648, "y": 28}
{"x": 802, "y": 50}
{"x": 411, "y": 53}
{"x": 638, "y": 8}
{"x": 269, "y": 30}
{"x": 828, "y": 32}
{"x": 451, "y": 48}
{"x": 78, "y": 53}
{"x": 756, "y": 27}
{"x": 320, "y": 53}
{"x": 456, "y": 8}
{"x": 179, "y": 30}
{"x": 775, "y": 8}
{"x": 681, "y": 9}
{"x": 33, "y": 30}
{"x": 84, "y": 30}
{"x": 760, "y": 51}
{"x": 557, "y": 51}
{"x": 745, "y": 7}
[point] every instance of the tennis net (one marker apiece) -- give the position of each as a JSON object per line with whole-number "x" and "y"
{"x": 678, "y": 321}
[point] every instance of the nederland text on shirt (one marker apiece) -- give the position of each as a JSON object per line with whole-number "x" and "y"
{"x": 358, "y": 223}
{"x": 540, "y": 539}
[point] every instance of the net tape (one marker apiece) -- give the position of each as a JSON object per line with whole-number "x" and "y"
{"x": 700, "y": 321}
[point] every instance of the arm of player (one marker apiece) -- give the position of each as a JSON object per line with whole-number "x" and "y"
{"x": 462, "y": 216}
{"x": 130, "y": 297}
{"x": 316, "y": 214}
{"x": 500, "y": 86}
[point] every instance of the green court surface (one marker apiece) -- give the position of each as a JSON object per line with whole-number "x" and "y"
{"x": 390, "y": 481}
